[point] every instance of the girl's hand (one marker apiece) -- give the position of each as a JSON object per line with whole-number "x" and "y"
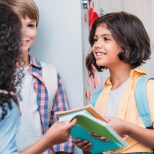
{"x": 119, "y": 125}
{"x": 99, "y": 137}
{"x": 59, "y": 132}
{"x": 82, "y": 144}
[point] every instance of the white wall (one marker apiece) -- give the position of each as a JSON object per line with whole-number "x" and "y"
{"x": 59, "y": 42}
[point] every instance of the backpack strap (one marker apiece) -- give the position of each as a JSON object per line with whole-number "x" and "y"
{"x": 49, "y": 74}
{"x": 94, "y": 97}
{"x": 141, "y": 100}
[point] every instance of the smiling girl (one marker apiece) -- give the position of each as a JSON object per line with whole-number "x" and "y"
{"x": 120, "y": 43}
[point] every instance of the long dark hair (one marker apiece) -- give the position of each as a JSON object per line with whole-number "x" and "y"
{"x": 10, "y": 55}
{"x": 129, "y": 32}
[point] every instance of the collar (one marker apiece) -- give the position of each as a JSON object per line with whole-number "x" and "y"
{"x": 35, "y": 62}
{"x": 135, "y": 73}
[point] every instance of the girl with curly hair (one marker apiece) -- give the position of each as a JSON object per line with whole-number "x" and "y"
{"x": 42, "y": 91}
{"x": 10, "y": 78}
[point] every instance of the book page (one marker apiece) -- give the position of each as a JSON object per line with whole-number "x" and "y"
{"x": 89, "y": 108}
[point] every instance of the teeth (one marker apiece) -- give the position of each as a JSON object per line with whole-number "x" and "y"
{"x": 99, "y": 53}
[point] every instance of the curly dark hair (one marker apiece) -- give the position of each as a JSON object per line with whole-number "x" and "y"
{"x": 129, "y": 32}
{"x": 10, "y": 55}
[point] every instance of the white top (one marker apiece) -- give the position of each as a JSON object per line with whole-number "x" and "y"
{"x": 114, "y": 99}
{"x": 30, "y": 129}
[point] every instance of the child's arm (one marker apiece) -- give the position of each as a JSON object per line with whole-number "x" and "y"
{"x": 143, "y": 135}
{"x": 84, "y": 145}
{"x": 56, "y": 134}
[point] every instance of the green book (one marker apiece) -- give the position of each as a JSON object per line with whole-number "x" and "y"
{"x": 88, "y": 120}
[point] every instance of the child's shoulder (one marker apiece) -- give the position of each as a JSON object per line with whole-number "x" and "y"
{"x": 150, "y": 83}
{"x": 42, "y": 63}
{"x": 146, "y": 81}
{"x": 144, "y": 84}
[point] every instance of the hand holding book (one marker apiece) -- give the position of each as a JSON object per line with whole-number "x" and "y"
{"x": 84, "y": 145}
{"x": 88, "y": 120}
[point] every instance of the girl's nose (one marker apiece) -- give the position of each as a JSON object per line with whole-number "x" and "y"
{"x": 98, "y": 44}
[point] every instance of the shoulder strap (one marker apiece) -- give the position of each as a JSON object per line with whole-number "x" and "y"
{"x": 94, "y": 97}
{"x": 141, "y": 100}
{"x": 49, "y": 74}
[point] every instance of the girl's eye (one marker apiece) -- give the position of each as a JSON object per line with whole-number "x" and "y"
{"x": 106, "y": 39}
{"x": 95, "y": 39}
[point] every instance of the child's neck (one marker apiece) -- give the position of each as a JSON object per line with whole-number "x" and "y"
{"x": 119, "y": 75}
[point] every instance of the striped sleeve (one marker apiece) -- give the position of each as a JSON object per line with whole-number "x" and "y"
{"x": 60, "y": 104}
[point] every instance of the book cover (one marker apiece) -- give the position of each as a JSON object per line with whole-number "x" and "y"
{"x": 87, "y": 122}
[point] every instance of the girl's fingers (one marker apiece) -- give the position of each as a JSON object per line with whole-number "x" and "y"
{"x": 93, "y": 134}
{"x": 72, "y": 123}
{"x": 99, "y": 137}
{"x": 104, "y": 139}
{"x": 75, "y": 141}
{"x": 82, "y": 144}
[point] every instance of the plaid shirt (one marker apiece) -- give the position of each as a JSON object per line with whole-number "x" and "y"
{"x": 59, "y": 104}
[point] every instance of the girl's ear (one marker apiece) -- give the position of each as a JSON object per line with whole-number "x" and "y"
{"x": 122, "y": 55}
